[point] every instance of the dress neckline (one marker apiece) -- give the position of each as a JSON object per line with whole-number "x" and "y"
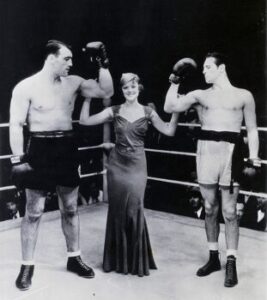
{"x": 131, "y": 122}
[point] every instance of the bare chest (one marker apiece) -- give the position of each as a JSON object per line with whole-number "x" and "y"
{"x": 224, "y": 101}
{"x": 49, "y": 97}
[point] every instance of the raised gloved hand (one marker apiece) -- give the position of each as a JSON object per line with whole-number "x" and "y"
{"x": 97, "y": 52}
{"x": 21, "y": 171}
{"x": 184, "y": 68}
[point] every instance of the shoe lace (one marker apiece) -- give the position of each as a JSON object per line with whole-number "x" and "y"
{"x": 230, "y": 267}
{"x": 82, "y": 264}
{"x": 25, "y": 273}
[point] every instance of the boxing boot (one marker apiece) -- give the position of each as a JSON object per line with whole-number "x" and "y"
{"x": 76, "y": 265}
{"x": 211, "y": 266}
{"x": 230, "y": 272}
{"x": 24, "y": 279}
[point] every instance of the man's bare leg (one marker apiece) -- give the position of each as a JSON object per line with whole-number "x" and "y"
{"x": 212, "y": 226}
{"x": 68, "y": 197}
{"x": 35, "y": 201}
{"x": 231, "y": 233}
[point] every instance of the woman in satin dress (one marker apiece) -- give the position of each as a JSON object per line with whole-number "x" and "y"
{"x": 127, "y": 246}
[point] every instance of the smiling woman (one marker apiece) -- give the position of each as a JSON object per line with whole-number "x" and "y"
{"x": 127, "y": 246}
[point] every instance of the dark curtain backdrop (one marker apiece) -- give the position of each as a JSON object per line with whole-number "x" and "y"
{"x": 142, "y": 36}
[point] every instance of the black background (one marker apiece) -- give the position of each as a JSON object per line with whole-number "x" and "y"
{"x": 142, "y": 36}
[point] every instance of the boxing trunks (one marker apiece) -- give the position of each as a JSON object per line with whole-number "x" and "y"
{"x": 219, "y": 157}
{"x": 53, "y": 156}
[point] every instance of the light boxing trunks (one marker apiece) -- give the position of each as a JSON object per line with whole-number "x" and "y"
{"x": 53, "y": 156}
{"x": 219, "y": 157}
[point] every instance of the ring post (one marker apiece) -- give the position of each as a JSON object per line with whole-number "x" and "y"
{"x": 106, "y": 139}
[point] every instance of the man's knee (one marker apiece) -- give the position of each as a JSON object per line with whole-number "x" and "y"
{"x": 229, "y": 213}
{"x": 211, "y": 210}
{"x": 70, "y": 210}
{"x": 34, "y": 215}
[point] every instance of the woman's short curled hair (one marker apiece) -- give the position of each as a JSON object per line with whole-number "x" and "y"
{"x": 127, "y": 77}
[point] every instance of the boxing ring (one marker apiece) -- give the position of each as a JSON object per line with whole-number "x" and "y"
{"x": 178, "y": 242}
{"x": 185, "y": 183}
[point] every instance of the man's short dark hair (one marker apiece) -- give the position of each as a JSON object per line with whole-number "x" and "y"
{"x": 53, "y": 47}
{"x": 220, "y": 58}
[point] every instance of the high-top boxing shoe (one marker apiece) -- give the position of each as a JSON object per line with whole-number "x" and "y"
{"x": 230, "y": 272}
{"x": 212, "y": 265}
{"x": 76, "y": 265}
{"x": 24, "y": 279}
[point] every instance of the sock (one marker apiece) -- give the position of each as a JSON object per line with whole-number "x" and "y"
{"x": 231, "y": 252}
{"x": 27, "y": 262}
{"x": 74, "y": 254}
{"x": 214, "y": 246}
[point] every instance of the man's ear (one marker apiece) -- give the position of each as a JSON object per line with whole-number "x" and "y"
{"x": 51, "y": 57}
{"x": 222, "y": 67}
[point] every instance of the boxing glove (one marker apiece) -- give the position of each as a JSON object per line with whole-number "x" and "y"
{"x": 97, "y": 52}
{"x": 252, "y": 167}
{"x": 21, "y": 171}
{"x": 184, "y": 68}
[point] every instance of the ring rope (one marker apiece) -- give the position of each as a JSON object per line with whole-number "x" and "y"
{"x": 264, "y": 162}
{"x": 13, "y": 187}
{"x": 178, "y": 182}
{"x": 91, "y": 147}
{"x": 179, "y": 124}
{"x": 80, "y": 148}
{"x": 199, "y": 125}
{"x": 186, "y": 183}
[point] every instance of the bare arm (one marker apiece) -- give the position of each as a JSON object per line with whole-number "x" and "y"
{"x": 101, "y": 89}
{"x": 19, "y": 107}
{"x": 251, "y": 125}
{"x": 178, "y": 103}
{"x": 86, "y": 119}
{"x": 167, "y": 128}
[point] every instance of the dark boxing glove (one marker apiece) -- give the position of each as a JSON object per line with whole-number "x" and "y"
{"x": 252, "y": 167}
{"x": 184, "y": 68}
{"x": 21, "y": 171}
{"x": 97, "y": 52}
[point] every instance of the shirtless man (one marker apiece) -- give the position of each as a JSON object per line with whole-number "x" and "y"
{"x": 45, "y": 101}
{"x": 221, "y": 109}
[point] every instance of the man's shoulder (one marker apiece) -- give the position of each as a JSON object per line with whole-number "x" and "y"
{"x": 74, "y": 81}
{"x": 241, "y": 91}
{"x": 244, "y": 94}
{"x": 75, "y": 78}
{"x": 197, "y": 94}
{"x": 25, "y": 83}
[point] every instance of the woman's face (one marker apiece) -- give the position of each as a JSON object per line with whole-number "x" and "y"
{"x": 130, "y": 90}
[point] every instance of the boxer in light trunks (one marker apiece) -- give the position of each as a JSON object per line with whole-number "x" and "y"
{"x": 221, "y": 110}
{"x": 45, "y": 101}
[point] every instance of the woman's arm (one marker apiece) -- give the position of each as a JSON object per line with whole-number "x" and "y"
{"x": 167, "y": 128}
{"x": 102, "y": 117}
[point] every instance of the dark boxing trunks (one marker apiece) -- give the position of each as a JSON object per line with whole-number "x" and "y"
{"x": 53, "y": 155}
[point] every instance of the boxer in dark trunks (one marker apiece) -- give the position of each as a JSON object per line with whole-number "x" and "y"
{"x": 45, "y": 101}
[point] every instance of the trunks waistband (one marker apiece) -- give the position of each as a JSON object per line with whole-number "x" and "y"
{"x": 52, "y": 134}
{"x": 217, "y": 136}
